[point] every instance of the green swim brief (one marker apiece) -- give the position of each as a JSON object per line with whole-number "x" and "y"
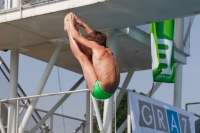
{"x": 99, "y": 93}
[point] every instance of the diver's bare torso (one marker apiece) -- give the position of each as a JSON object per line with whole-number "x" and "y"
{"x": 106, "y": 69}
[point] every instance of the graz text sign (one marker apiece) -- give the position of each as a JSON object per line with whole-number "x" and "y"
{"x": 152, "y": 116}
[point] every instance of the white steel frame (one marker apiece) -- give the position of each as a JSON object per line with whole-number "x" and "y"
{"x": 14, "y": 63}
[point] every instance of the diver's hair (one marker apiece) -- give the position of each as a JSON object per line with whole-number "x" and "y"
{"x": 98, "y": 37}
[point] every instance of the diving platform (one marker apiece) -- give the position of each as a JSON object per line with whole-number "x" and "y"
{"x": 31, "y": 27}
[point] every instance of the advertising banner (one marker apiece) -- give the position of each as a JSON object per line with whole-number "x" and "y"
{"x": 152, "y": 116}
{"x": 162, "y": 51}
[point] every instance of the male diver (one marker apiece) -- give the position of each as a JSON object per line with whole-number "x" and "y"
{"x": 99, "y": 66}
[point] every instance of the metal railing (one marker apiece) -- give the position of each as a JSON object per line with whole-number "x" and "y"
{"x": 4, "y": 70}
{"x": 8, "y": 4}
{"x": 47, "y": 128}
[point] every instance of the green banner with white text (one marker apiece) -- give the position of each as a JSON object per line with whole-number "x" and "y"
{"x": 162, "y": 51}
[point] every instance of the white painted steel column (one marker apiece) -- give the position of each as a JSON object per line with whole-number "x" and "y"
{"x": 17, "y": 116}
{"x": 178, "y": 85}
{"x": 128, "y": 116}
{"x": 15, "y": 3}
{"x": 6, "y": 4}
{"x": 91, "y": 115}
{"x": 14, "y": 63}
{"x": 9, "y": 4}
{"x": 1, "y": 126}
{"x": 87, "y": 112}
{"x": 41, "y": 86}
{"x": 179, "y": 67}
{"x": 112, "y": 39}
{"x": 179, "y": 32}
{"x": 97, "y": 112}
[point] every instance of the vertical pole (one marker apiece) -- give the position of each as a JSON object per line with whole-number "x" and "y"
{"x": 178, "y": 85}
{"x": 15, "y": 3}
{"x": 179, "y": 33}
{"x": 87, "y": 112}
{"x": 108, "y": 104}
{"x": 1, "y": 123}
{"x": 115, "y": 113}
{"x": 91, "y": 115}
{"x": 96, "y": 108}
{"x": 1, "y": 126}
{"x": 41, "y": 86}
{"x": 51, "y": 126}
{"x": 6, "y": 5}
{"x": 179, "y": 67}
{"x": 13, "y": 89}
{"x": 17, "y": 116}
{"x": 128, "y": 116}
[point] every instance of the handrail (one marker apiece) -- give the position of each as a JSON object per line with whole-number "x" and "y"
{"x": 44, "y": 95}
{"x": 20, "y": 88}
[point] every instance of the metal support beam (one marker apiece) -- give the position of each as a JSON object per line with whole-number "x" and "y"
{"x": 125, "y": 85}
{"x": 179, "y": 67}
{"x": 128, "y": 117}
{"x": 14, "y": 63}
{"x": 88, "y": 112}
{"x": 188, "y": 30}
{"x": 23, "y": 107}
{"x": 1, "y": 61}
{"x": 78, "y": 128}
{"x": 55, "y": 107}
{"x": 41, "y": 86}
{"x": 51, "y": 124}
{"x": 122, "y": 127}
{"x": 2, "y": 130}
{"x": 1, "y": 126}
{"x": 178, "y": 85}
{"x": 108, "y": 104}
{"x": 20, "y": 89}
{"x": 127, "y": 122}
{"x": 144, "y": 38}
{"x": 17, "y": 116}
{"x": 15, "y": 3}
{"x": 6, "y": 5}
{"x": 9, "y": 4}
{"x": 97, "y": 112}
{"x": 91, "y": 115}
{"x": 156, "y": 86}
{"x": 179, "y": 32}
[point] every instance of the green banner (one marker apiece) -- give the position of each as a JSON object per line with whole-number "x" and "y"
{"x": 162, "y": 51}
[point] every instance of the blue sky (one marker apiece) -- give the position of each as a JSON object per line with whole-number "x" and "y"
{"x": 31, "y": 70}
